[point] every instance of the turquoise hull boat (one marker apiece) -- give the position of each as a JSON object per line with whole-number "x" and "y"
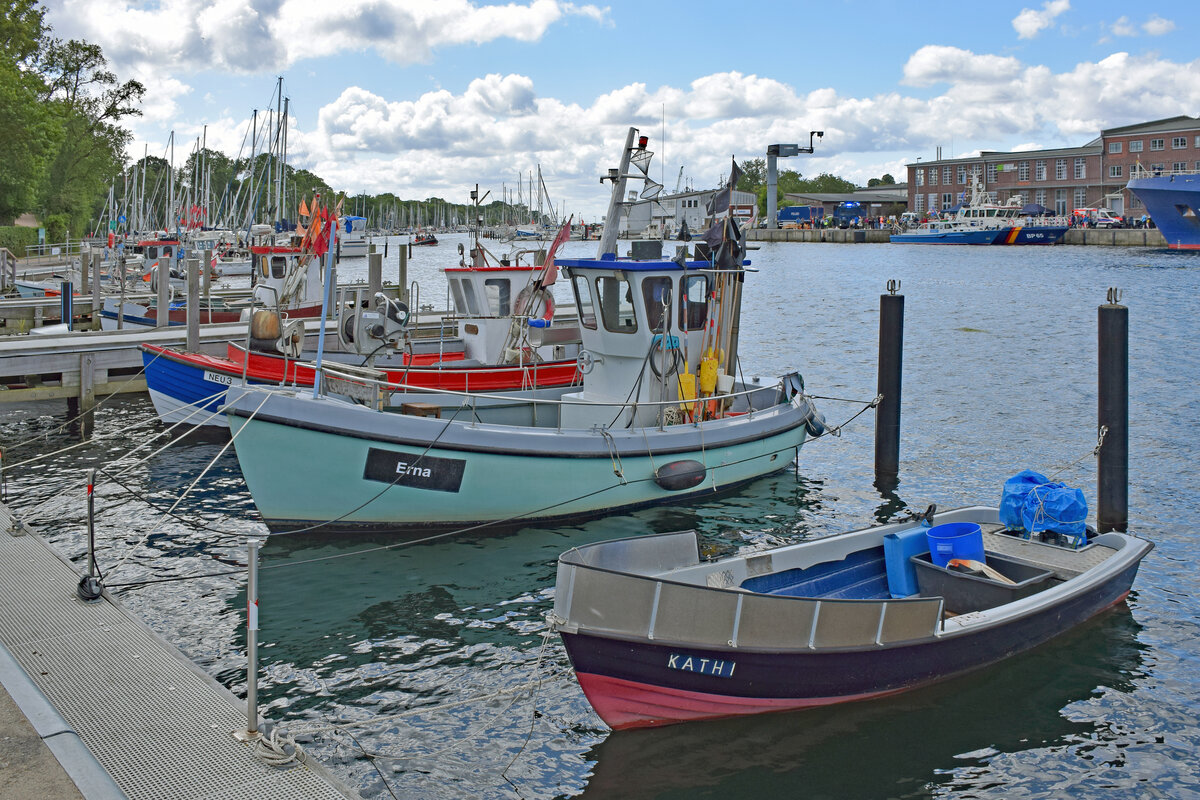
{"x": 331, "y": 465}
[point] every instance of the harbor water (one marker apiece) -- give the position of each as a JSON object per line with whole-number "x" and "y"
{"x": 439, "y": 645}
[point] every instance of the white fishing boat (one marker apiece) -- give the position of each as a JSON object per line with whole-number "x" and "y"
{"x": 660, "y": 419}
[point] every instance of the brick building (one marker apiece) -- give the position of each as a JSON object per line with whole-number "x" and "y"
{"x": 1067, "y": 178}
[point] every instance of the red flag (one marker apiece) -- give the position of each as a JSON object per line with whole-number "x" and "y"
{"x": 549, "y": 268}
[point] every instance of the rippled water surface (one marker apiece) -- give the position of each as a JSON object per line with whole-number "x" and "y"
{"x": 446, "y": 638}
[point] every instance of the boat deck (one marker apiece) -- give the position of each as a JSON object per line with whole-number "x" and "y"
{"x": 154, "y": 721}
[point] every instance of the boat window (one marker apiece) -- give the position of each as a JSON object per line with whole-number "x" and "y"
{"x": 472, "y": 303}
{"x": 654, "y": 292}
{"x": 460, "y": 305}
{"x": 583, "y": 302}
{"x": 278, "y": 266}
{"x": 693, "y": 312}
{"x": 498, "y": 296}
{"x": 616, "y": 304}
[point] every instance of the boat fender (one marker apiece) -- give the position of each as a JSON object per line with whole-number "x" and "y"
{"x": 677, "y": 475}
{"x": 528, "y": 302}
{"x": 815, "y": 422}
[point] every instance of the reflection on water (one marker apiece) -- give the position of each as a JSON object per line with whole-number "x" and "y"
{"x": 999, "y": 376}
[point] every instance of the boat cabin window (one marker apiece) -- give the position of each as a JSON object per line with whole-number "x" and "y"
{"x": 583, "y": 302}
{"x": 498, "y": 296}
{"x": 472, "y": 303}
{"x": 278, "y": 266}
{"x": 460, "y": 305}
{"x": 693, "y": 311}
{"x": 654, "y": 292}
{"x": 616, "y": 304}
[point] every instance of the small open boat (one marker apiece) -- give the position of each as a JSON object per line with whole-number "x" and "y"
{"x": 659, "y": 635}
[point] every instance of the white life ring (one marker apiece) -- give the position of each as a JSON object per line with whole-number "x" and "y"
{"x": 539, "y": 303}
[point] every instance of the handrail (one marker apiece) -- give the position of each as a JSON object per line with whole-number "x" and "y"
{"x": 1142, "y": 171}
{"x": 388, "y": 385}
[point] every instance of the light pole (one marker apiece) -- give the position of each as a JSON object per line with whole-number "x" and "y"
{"x": 775, "y": 151}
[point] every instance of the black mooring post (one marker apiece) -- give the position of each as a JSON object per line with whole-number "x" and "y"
{"x": 891, "y": 362}
{"x": 1112, "y": 507}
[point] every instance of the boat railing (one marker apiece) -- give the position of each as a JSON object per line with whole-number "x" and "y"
{"x": 610, "y": 601}
{"x": 1142, "y": 171}
{"x": 371, "y": 387}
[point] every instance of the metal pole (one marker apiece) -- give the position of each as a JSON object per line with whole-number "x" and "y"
{"x": 326, "y": 303}
{"x": 89, "y": 588}
{"x": 772, "y": 192}
{"x": 66, "y": 309}
{"x": 1112, "y": 507}
{"x": 252, "y": 637}
{"x": 891, "y": 362}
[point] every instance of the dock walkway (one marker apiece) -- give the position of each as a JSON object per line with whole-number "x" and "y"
{"x": 153, "y": 720}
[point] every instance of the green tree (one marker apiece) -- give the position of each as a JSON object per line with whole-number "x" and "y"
{"x": 754, "y": 175}
{"x": 29, "y": 130}
{"x": 886, "y": 180}
{"x": 89, "y": 102}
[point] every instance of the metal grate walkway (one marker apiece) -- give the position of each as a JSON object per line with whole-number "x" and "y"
{"x": 154, "y": 721}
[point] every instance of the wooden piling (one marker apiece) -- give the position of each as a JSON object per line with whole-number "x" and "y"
{"x": 404, "y": 254}
{"x": 96, "y": 302}
{"x": 193, "y": 305}
{"x": 86, "y": 407}
{"x": 162, "y": 274}
{"x": 374, "y": 274}
{"x": 891, "y": 364}
{"x": 1112, "y": 507}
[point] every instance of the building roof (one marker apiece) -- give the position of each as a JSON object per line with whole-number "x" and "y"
{"x": 860, "y": 196}
{"x": 1182, "y": 123}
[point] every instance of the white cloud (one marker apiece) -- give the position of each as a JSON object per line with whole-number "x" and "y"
{"x": 1030, "y": 22}
{"x": 1123, "y": 27}
{"x": 1157, "y": 26}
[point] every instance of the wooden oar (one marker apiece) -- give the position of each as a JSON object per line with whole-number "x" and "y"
{"x": 979, "y": 566}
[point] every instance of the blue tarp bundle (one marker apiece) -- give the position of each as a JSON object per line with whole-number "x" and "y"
{"x": 1032, "y": 502}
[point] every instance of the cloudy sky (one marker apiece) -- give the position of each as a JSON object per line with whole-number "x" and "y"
{"x": 429, "y": 97}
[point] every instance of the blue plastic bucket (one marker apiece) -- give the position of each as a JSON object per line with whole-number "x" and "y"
{"x": 955, "y": 540}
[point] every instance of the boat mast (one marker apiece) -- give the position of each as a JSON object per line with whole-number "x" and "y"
{"x": 612, "y": 220}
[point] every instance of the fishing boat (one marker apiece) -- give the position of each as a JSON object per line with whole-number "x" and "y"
{"x": 658, "y": 634}
{"x": 660, "y": 418}
{"x": 1173, "y": 201}
{"x": 981, "y": 220}
{"x": 286, "y": 276}
{"x": 465, "y": 351}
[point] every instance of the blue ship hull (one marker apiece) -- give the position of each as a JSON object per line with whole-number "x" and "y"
{"x": 948, "y": 237}
{"x": 182, "y": 391}
{"x": 1173, "y": 202}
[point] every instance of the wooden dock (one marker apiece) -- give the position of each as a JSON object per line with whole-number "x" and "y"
{"x": 154, "y": 721}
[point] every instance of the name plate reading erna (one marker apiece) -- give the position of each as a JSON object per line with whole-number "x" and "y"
{"x": 717, "y": 667}
{"x": 417, "y": 471}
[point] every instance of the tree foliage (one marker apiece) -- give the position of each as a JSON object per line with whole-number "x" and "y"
{"x": 29, "y": 130}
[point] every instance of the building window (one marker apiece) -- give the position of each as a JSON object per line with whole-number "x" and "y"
{"x": 962, "y": 175}
{"x": 1114, "y": 147}
{"x": 1179, "y": 166}
{"x": 1197, "y": 144}
{"x": 920, "y": 203}
{"x": 947, "y": 199}
{"x": 946, "y": 175}
{"x": 933, "y": 176}
{"x": 1023, "y": 171}
{"x": 1179, "y": 143}
{"x": 1039, "y": 170}
{"x": 1114, "y": 171}
{"x": 1060, "y": 202}
{"x": 1156, "y": 168}
{"x": 1198, "y": 166}
{"x": 932, "y": 201}
{"x": 1080, "y": 198}
{"x": 1060, "y": 169}
{"x": 1136, "y": 147}
{"x": 1039, "y": 197}
{"x": 991, "y": 173}
{"x": 920, "y": 173}
{"x": 1080, "y": 168}
{"x": 1156, "y": 144}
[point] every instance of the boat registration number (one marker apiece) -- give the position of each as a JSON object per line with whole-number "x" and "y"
{"x": 717, "y": 667}
{"x": 217, "y": 377}
{"x": 415, "y": 470}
